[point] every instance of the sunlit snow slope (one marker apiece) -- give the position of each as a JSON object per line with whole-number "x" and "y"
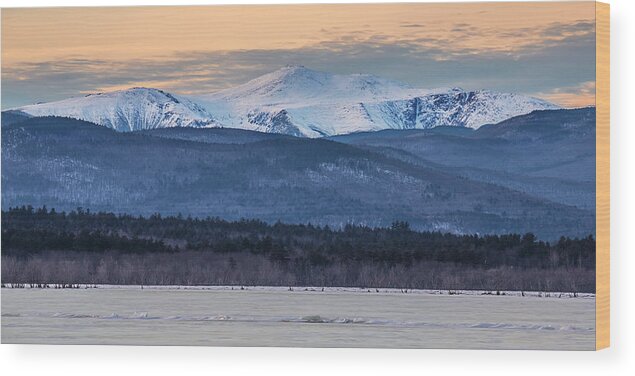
{"x": 298, "y": 101}
{"x": 128, "y": 110}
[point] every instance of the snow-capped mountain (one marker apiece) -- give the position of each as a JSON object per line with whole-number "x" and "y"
{"x": 302, "y": 102}
{"x": 456, "y": 107}
{"x": 298, "y": 101}
{"x": 128, "y": 110}
{"x": 298, "y": 86}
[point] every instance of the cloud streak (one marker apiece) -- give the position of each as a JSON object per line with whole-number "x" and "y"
{"x": 56, "y": 53}
{"x": 581, "y": 95}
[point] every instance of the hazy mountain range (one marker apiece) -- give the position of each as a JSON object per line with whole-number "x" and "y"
{"x": 302, "y": 146}
{"x": 296, "y": 101}
{"x": 529, "y": 173}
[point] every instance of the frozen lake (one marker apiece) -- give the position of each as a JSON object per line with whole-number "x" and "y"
{"x": 278, "y": 317}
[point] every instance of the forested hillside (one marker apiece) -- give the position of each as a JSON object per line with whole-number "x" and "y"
{"x": 48, "y": 246}
{"x": 234, "y": 174}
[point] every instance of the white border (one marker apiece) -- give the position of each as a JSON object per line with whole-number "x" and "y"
{"x": 173, "y": 361}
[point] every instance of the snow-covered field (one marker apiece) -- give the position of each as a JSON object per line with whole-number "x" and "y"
{"x": 354, "y": 290}
{"x": 306, "y": 316}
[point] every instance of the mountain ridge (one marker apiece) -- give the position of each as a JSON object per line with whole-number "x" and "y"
{"x": 297, "y": 101}
{"x": 128, "y": 110}
{"x": 66, "y": 163}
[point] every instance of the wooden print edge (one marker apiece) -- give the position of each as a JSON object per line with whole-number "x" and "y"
{"x": 602, "y": 184}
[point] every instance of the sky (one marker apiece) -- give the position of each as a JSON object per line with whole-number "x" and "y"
{"x": 544, "y": 49}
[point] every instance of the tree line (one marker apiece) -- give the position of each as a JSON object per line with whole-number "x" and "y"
{"x": 234, "y": 252}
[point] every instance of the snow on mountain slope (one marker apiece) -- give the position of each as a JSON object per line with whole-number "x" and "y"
{"x": 304, "y": 102}
{"x": 299, "y": 101}
{"x": 297, "y": 86}
{"x": 457, "y": 107}
{"x": 128, "y": 110}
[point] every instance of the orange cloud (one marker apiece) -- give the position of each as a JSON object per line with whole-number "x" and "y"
{"x": 578, "y": 96}
{"x": 120, "y": 33}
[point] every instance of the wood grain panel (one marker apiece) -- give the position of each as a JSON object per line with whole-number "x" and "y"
{"x": 602, "y": 98}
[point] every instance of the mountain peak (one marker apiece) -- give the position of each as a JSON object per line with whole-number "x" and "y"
{"x": 130, "y": 109}
{"x": 297, "y": 85}
{"x": 293, "y": 72}
{"x": 137, "y": 90}
{"x": 293, "y": 67}
{"x": 456, "y": 89}
{"x": 298, "y": 100}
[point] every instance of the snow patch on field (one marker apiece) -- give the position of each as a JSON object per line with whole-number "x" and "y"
{"x": 315, "y": 289}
